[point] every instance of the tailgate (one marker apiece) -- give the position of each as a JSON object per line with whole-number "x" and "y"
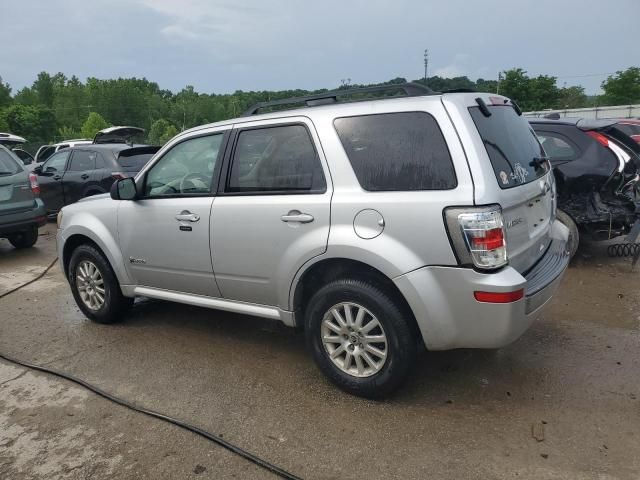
{"x": 509, "y": 168}
{"x": 15, "y": 191}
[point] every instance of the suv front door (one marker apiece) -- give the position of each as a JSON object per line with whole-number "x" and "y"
{"x": 164, "y": 235}
{"x": 50, "y": 180}
{"x": 273, "y": 214}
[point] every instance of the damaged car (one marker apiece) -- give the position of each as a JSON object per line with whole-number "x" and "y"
{"x": 596, "y": 165}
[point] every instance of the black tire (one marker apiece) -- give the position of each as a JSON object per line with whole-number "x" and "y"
{"x": 115, "y": 304}
{"x": 574, "y": 234}
{"x": 401, "y": 342}
{"x": 25, "y": 239}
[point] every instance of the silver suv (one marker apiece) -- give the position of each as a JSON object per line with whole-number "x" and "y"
{"x": 377, "y": 226}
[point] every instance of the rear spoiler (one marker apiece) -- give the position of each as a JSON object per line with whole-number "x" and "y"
{"x": 117, "y": 134}
{"x": 11, "y": 139}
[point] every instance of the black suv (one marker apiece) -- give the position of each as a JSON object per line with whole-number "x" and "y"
{"x": 84, "y": 170}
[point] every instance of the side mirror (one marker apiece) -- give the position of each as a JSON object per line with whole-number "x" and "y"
{"x": 124, "y": 189}
{"x": 38, "y": 170}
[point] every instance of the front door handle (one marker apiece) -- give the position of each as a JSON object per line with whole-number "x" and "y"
{"x": 57, "y": 177}
{"x": 296, "y": 216}
{"x": 187, "y": 216}
{"x": 84, "y": 176}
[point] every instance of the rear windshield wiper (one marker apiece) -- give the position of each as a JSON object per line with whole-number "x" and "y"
{"x": 537, "y": 162}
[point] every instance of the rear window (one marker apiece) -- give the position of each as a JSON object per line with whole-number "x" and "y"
{"x": 515, "y": 153}
{"x": 397, "y": 151}
{"x": 8, "y": 164}
{"x": 628, "y": 128}
{"x": 135, "y": 159}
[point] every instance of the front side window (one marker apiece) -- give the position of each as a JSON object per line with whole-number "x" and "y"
{"x": 56, "y": 162}
{"x": 83, "y": 160}
{"x": 276, "y": 159}
{"x": 397, "y": 151}
{"x": 186, "y": 169}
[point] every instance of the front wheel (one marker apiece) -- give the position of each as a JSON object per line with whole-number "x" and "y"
{"x": 25, "y": 239}
{"x": 360, "y": 338}
{"x": 95, "y": 287}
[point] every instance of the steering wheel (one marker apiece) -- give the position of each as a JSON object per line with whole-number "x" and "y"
{"x": 195, "y": 176}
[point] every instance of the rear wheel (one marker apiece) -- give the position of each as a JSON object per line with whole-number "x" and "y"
{"x": 574, "y": 234}
{"x": 25, "y": 239}
{"x": 360, "y": 338}
{"x": 95, "y": 286}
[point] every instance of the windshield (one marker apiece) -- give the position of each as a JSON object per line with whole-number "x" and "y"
{"x": 515, "y": 153}
{"x": 8, "y": 165}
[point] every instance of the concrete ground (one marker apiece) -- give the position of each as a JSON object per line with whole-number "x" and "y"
{"x": 561, "y": 402}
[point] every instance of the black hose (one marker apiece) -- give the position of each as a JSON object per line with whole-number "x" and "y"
{"x": 198, "y": 431}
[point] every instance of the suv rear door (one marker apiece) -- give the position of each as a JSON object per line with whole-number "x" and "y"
{"x": 79, "y": 176}
{"x": 272, "y": 214}
{"x": 15, "y": 192}
{"x": 509, "y": 168}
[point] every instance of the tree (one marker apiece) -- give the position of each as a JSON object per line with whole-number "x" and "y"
{"x": 34, "y": 122}
{"x": 623, "y": 88}
{"x": 67, "y": 133}
{"x": 572, "y": 97}
{"x": 530, "y": 93}
{"x": 5, "y": 94}
{"x": 161, "y": 132}
{"x": 43, "y": 87}
{"x": 92, "y": 125}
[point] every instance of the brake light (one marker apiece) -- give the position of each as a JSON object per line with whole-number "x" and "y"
{"x": 33, "y": 183}
{"x": 119, "y": 175}
{"x": 478, "y": 236}
{"x": 499, "y": 297}
{"x": 600, "y": 138}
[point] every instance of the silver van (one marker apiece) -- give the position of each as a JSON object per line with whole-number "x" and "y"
{"x": 376, "y": 225}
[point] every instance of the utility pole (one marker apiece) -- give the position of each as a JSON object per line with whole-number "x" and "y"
{"x": 426, "y": 64}
{"x": 498, "y": 84}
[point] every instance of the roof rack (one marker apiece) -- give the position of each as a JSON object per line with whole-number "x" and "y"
{"x": 410, "y": 90}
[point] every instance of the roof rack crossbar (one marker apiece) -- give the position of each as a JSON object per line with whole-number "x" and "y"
{"x": 409, "y": 89}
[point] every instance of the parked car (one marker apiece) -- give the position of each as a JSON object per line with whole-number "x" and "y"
{"x": 21, "y": 211}
{"x": 374, "y": 225}
{"x": 12, "y": 142}
{"x": 631, "y": 127}
{"x": 82, "y": 171}
{"x": 597, "y": 168}
{"x": 45, "y": 151}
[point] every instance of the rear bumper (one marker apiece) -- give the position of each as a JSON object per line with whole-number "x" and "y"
{"x": 18, "y": 222}
{"x": 448, "y": 315}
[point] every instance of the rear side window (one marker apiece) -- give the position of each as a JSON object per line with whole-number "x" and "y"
{"x": 83, "y": 160}
{"x": 557, "y": 147}
{"x": 514, "y": 150}
{"x": 276, "y": 160}
{"x": 8, "y": 165}
{"x": 397, "y": 151}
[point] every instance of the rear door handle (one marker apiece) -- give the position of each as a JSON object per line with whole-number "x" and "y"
{"x": 296, "y": 216}
{"x": 187, "y": 216}
{"x": 57, "y": 177}
{"x": 84, "y": 176}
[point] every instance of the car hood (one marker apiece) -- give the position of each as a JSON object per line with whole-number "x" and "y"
{"x": 93, "y": 198}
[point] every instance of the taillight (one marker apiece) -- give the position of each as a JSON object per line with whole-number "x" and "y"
{"x": 622, "y": 156}
{"x": 600, "y": 138}
{"x": 477, "y": 236}
{"x": 33, "y": 183}
{"x": 499, "y": 297}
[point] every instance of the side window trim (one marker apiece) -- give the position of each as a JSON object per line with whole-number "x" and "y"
{"x": 66, "y": 163}
{"x": 213, "y": 187}
{"x": 223, "y": 183}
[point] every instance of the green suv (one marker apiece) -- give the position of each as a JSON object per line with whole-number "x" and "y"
{"x": 21, "y": 210}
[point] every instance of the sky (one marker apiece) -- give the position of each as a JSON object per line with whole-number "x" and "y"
{"x": 220, "y": 46}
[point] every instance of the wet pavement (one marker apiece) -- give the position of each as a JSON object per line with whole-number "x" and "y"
{"x": 561, "y": 402}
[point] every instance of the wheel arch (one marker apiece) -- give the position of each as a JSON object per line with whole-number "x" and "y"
{"x": 329, "y": 269}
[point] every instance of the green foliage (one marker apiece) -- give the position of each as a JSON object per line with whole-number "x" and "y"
{"x": 623, "y": 88}
{"x": 572, "y": 97}
{"x": 5, "y": 94}
{"x": 67, "y": 133}
{"x": 161, "y": 132}
{"x": 34, "y": 122}
{"x": 94, "y": 123}
{"x": 530, "y": 93}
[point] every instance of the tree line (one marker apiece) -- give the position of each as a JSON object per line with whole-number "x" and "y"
{"x": 55, "y": 107}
